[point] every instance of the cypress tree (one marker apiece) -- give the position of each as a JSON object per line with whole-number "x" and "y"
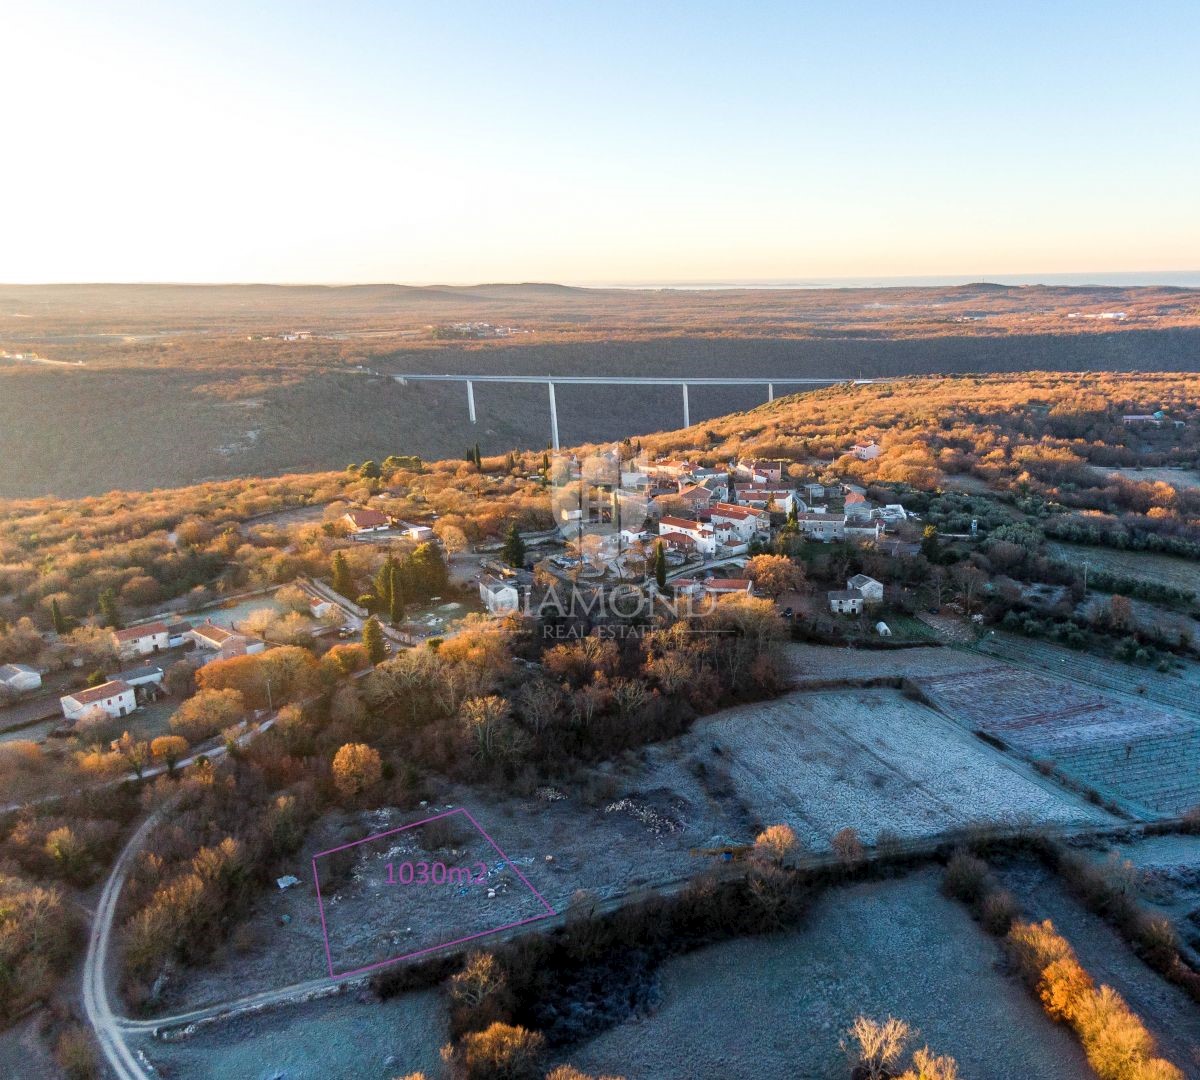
{"x": 56, "y": 616}
{"x": 343, "y": 583}
{"x": 109, "y": 609}
{"x": 514, "y": 547}
{"x": 383, "y": 583}
{"x": 395, "y": 595}
{"x": 660, "y": 565}
{"x": 372, "y": 639}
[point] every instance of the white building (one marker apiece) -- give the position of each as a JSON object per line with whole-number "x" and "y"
{"x": 821, "y": 526}
{"x": 782, "y": 500}
{"x": 224, "y": 643}
{"x": 744, "y": 521}
{"x": 867, "y": 451}
{"x": 366, "y": 521}
{"x": 499, "y": 594}
{"x": 872, "y": 590}
{"x": 703, "y": 536}
{"x": 321, "y": 607}
{"x": 115, "y": 698}
{"x": 144, "y": 640}
{"x": 19, "y": 678}
{"x": 846, "y": 602}
{"x": 140, "y": 676}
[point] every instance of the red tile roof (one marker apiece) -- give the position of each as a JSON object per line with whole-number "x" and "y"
{"x": 99, "y": 693}
{"x": 367, "y": 519}
{"x": 136, "y": 633}
{"x": 218, "y": 635}
{"x": 728, "y": 584}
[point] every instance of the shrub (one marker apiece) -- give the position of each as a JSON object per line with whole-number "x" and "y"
{"x": 997, "y": 912}
{"x": 74, "y": 1054}
{"x": 775, "y": 843}
{"x": 966, "y": 879}
{"x": 500, "y": 1052}
{"x": 847, "y": 847}
{"x": 1116, "y": 1042}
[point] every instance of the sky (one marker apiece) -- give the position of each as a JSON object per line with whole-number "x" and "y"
{"x": 591, "y": 142}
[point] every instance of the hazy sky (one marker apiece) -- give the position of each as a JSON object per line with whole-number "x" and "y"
{"x": 602, "y": 141}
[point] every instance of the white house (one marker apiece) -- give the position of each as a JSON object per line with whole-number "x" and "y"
{"x": 115, "y": 698}
{"x": 872, "y": 590}
{"x": 867, "y": 451}
{"x": 144, "y": 640}
{"x": 857, "y": 507}
{"x": 821, "y": 526}
{"x": 760, "y": 471}
{"x": 892, "y": 512}
{"x": 19, "y": 678}
{"x": 744, "y": 521}
{"x": 320, "y": 607}
{"x": 366, "y": 521}
{"x": 864, "y": 530}
{"x": 422, "y": 534}
{"x": 766, "y": 497}
{"x": 846, "y": 602}
{"x": 140, "y": 676}
{"x": 702, "y": 536}
{"x": 500, "y": 595}
{"x": 224, "y": 643}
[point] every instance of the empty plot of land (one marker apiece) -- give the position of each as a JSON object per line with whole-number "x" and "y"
{"x": 874, "y": 760}
{"x": 336, "y": 1039}
{"x": 869, "y": 759}
{"x": 1143, "y": 753}
{"x": 776, "y": 1006}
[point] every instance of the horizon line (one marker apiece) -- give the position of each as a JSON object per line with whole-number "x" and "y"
{"x": 776, "y": 283}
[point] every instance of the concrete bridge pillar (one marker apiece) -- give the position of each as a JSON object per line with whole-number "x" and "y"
{"x": 471, "y": 400}
{"x": 553, "y": 417}
{"x": 687, "y": 416}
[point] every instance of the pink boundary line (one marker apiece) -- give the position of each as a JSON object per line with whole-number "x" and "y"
{"x": 432, "y": 948}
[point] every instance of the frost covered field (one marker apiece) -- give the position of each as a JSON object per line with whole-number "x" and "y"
{"x": 822, "y": 663}
{"x": 775, "y": 1007}
{"x": 1142, "y": 752}
{"x": 874, "y": 760}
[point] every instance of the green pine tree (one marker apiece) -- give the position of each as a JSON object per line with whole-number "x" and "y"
{"x": 514, "y": 547}
{"x": 793, "y": 519}
{"x": 395, "y": 595}
{"x": 109, "y": 608}
{"x": 343, "y": 582}
{"x": 478, "y": 456}
{"x": 372, "y": 639}
{"x": 383, "y": 584}
{"x": 660, "y": 565}
{"x": 57, "y": 618}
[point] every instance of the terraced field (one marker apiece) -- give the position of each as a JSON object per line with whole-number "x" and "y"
{"x": 1177, "y": 689}
{"x": 1142, "y": 753}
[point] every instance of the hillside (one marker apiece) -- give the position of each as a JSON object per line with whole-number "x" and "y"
{"x": 168, "y": 385}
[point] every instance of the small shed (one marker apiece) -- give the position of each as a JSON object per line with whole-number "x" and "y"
{"x": 883, "y": 630}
